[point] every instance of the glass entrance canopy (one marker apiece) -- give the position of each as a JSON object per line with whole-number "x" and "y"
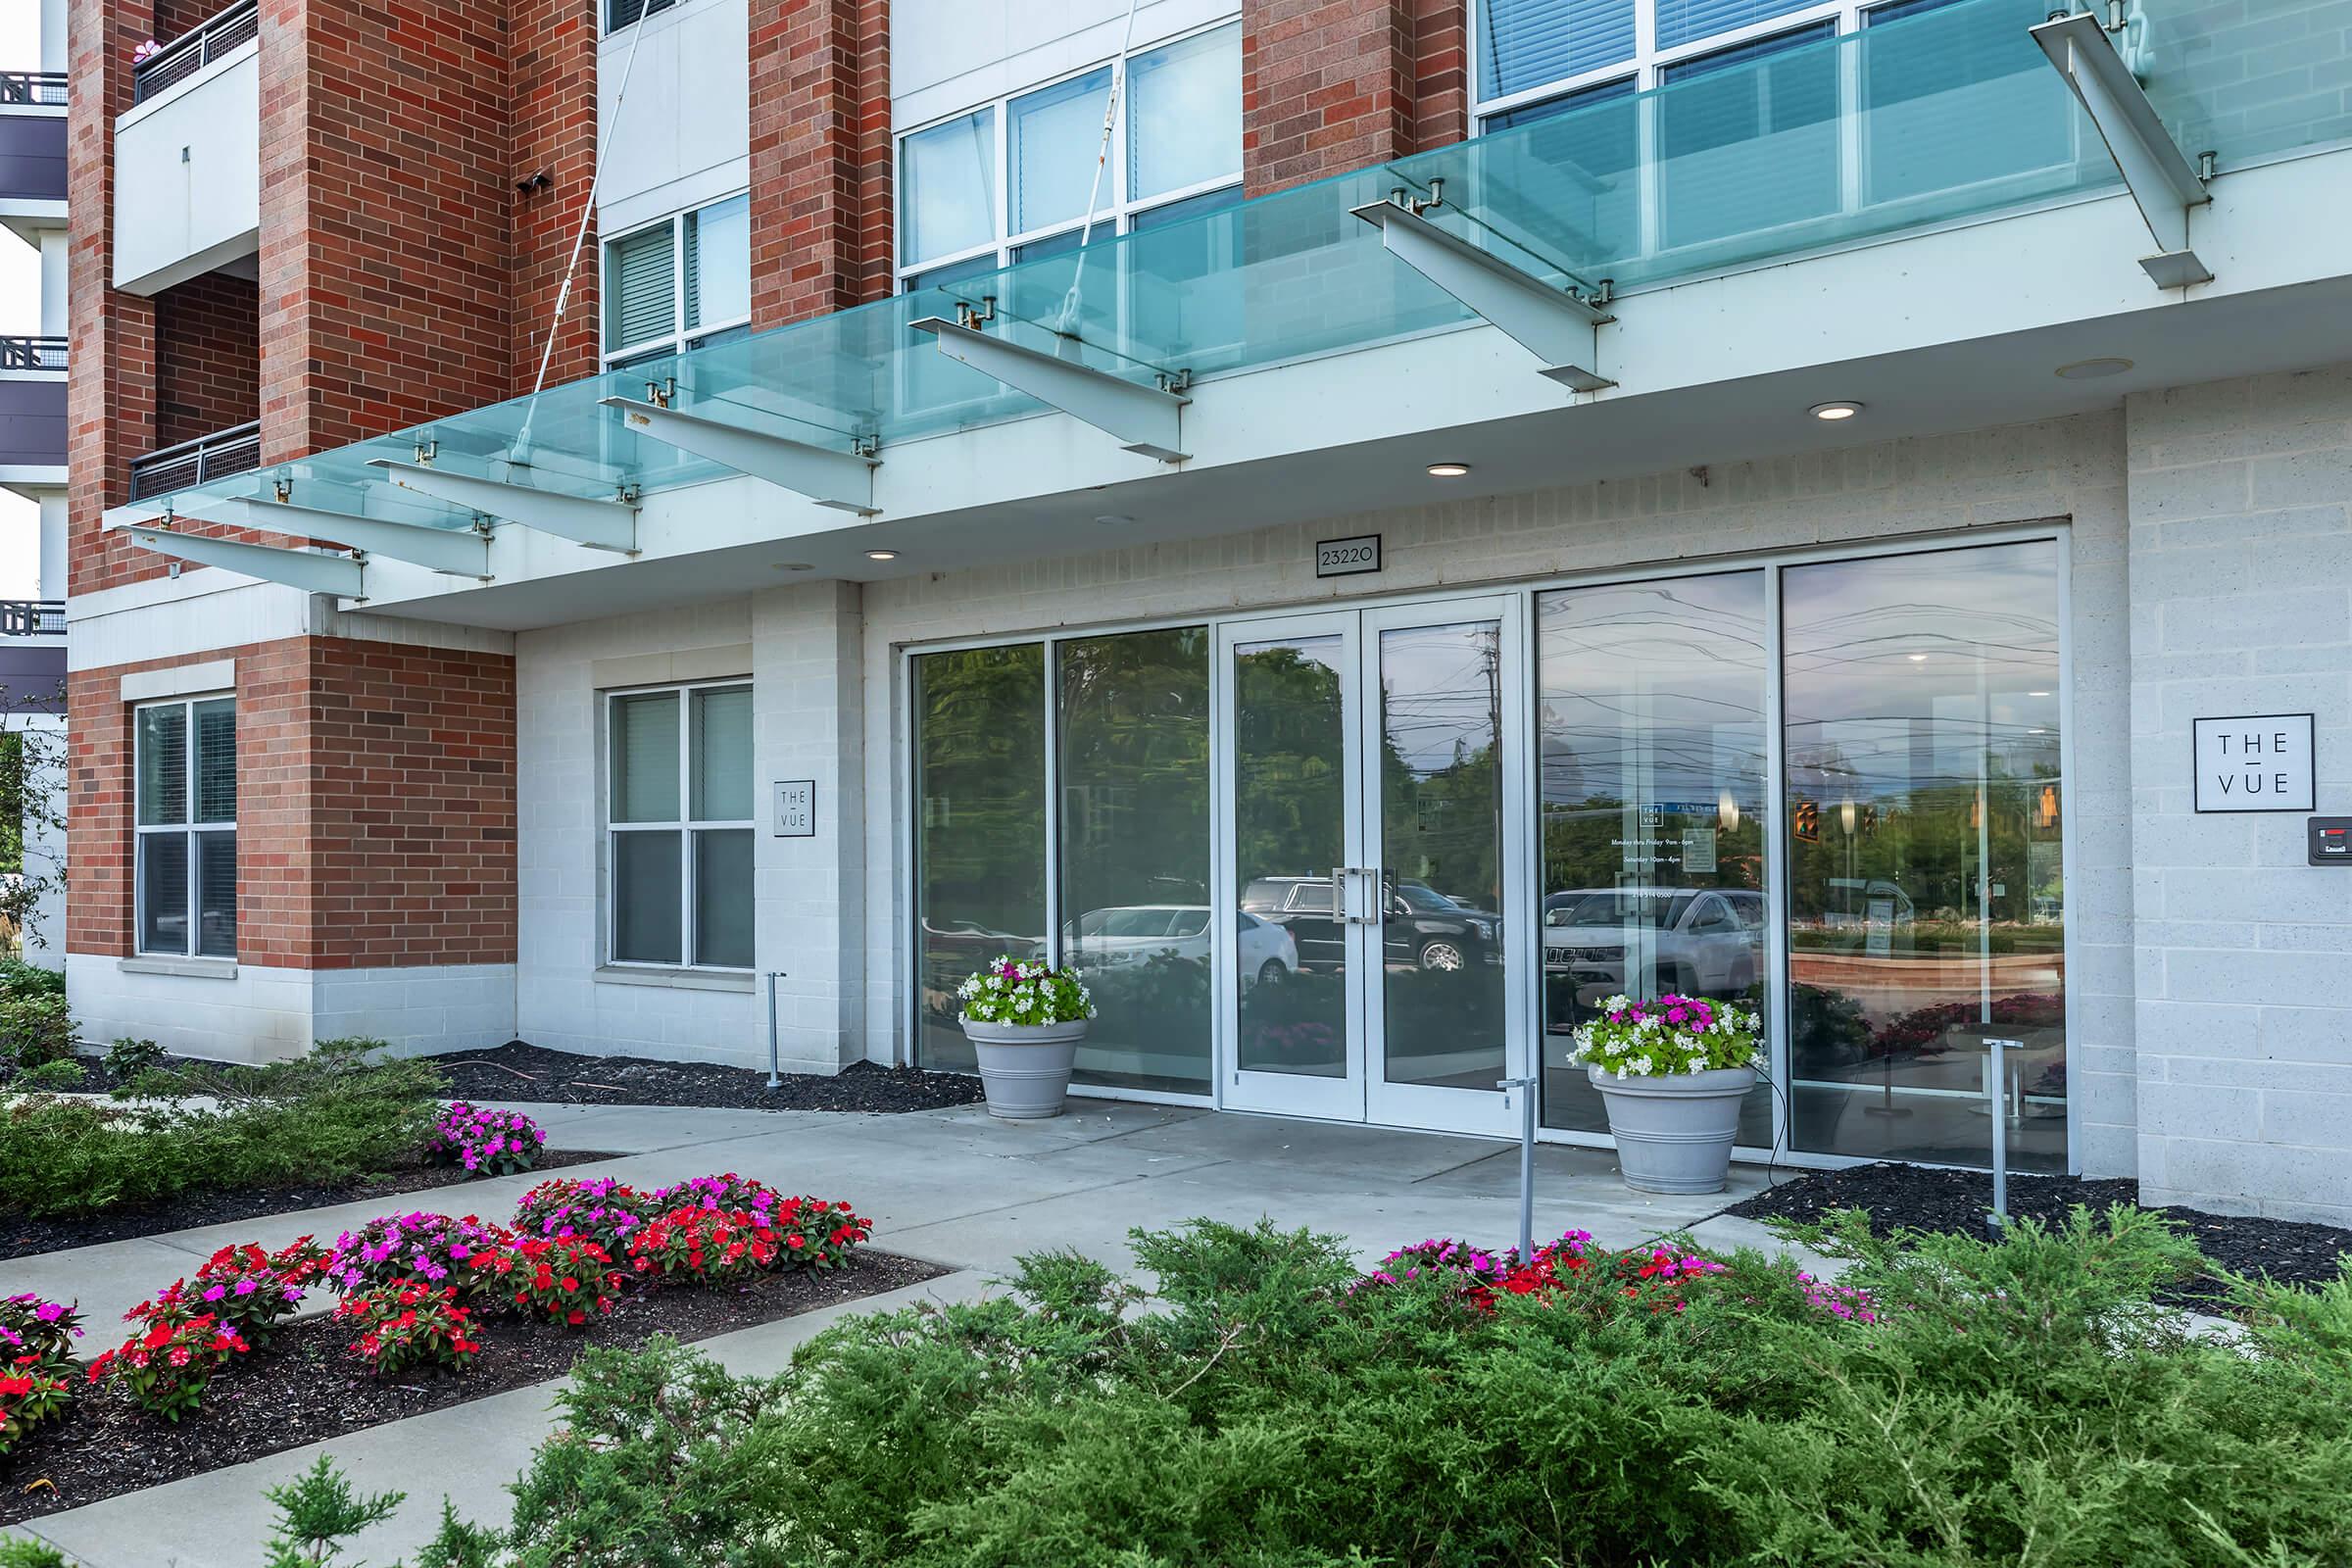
{"x": 1943, "y": 113}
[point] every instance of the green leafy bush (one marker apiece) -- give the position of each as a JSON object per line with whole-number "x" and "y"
{"x": 35, "y": 1027}
{"x": 15, "y": 1553}
{"x": 324, "y": 1119}
{"x": 61, "y": 1076}
{"x": 127, "y": 1058}
{"x": 2012, "y": 1402}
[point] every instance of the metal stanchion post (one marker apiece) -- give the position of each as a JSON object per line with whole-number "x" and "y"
{"x": 1998, "y": 1220}
{"x": 1527, "y": 1165}
{"x": 774, "y": 1079}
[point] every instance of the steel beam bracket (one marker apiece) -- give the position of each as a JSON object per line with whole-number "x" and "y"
{"x": 1142, "y": 419}
{"x": 843, "y": 480}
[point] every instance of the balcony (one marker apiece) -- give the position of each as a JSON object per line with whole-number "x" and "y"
{"x": 215, "y": 38}
{"x": 217, "y": 456}
{"x": 187, "y": 158}
{"x": 32, "y": 89}
{"x": 19, "y": 353}
{"x": 33, "y": 617}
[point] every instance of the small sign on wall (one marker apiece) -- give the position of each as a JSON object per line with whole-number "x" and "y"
{"x": 796, "y": 808}
{"x": 2256, "y": 763}
{"x": 1345, "y": 557}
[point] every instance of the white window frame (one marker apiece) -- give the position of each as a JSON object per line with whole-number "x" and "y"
{"x": 680, "y": 337}
{"x": 686, "y": 825}
{"x": 1647, "y": 60}
{"x": 187, "y": 828}
{"x": 1117, "y": 207}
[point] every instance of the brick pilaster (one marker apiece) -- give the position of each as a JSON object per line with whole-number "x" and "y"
{"x": 821, "y": 153}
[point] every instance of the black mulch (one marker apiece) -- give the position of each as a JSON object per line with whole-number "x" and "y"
{"x": 306, "y": 1387}
{"x": 22, "y": 1236}
{"x": 516, "y": 1071}
{"x": 1956, "y": 1201}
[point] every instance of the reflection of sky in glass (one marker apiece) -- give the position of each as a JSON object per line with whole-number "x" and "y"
{"x": 1902, "y": 673}
{"x": 1439, "y": 694}
{"x": 1662, "y": 680}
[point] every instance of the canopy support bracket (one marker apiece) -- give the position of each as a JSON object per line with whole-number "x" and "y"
{"x": 1558, "y": 327}
{"x": 841, "y": 480}
{"x": 2162, "y": 182}
{"x": 582, "y": 520}
{"x": 1142, "y": 419}
{"x": 306, "y": 569}
{"x": 459, "y": 552}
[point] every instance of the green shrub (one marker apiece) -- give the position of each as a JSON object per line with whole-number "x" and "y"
{"x": 35, "y": 1027}
{"x": 324, "y": 1119}
{"x": 59, "y": 1077}
{"x": 19, "y": 980}
{"x": 19, "y": 1553}
{"x": 2013, "y": 1402}
{"x": 127, "y": 1058}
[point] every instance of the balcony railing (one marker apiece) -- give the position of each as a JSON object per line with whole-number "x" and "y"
{"x": 42, "y": 88}
{"x": 18, "y": 353}
{"x": 192, "y": 51}
{"x": 33, "y": 617}
{"x": 237, "y": 450}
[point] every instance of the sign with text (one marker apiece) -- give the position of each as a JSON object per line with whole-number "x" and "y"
{"x": 2259, "y": 763}
{"x": 1345, "y": 557}
{"x": 796, "y": 808}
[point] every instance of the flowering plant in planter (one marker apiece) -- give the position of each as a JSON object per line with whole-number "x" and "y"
{"x": 1025, "y": 993}
{"x": 430, "y": 1248}
{"x": 30, "y": 1395}
{"x": 250, "y": 1289}
{"x": 404, "y": 1324}
{"x": 565, "y": 1281}
{"x": 1674, "y": 1034}
{"x": 31, "y": 1326}
{"x": 167, "y": 1368}
{"x": 714, "y": 1194}
{"x": 486, "y": 1142}
{"x": 597, "y": 1208}
{"x": 819, "y": 1235}
{"x": 704, "y": 1247}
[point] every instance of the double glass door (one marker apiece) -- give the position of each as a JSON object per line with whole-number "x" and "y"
{"x": 1374, "y": 767}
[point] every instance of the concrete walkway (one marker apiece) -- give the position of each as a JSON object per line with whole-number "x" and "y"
{"x": 953, "y": 1187}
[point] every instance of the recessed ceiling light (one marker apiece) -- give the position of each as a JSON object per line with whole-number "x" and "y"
{"x": 881, "y": 555}
{"x": 1114, "y": 519}
{"x": 1834, "y": 411}
{"x": 1448, "y": 470}
{"x": 2037, "y": 694}
{"x": 2092, "y": 369}
{"x": 1917, "y": 659}
{"x": 795, "y": 565}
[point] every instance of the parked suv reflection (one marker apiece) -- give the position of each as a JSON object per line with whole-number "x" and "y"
{"x": 1420, "y": 929}
{"x": 1704, "y": 941}
{"x": 1125, "y": 936}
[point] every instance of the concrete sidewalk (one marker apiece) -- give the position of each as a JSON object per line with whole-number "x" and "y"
{"x": 955, "y": 1186}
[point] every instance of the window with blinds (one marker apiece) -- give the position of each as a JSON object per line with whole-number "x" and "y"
{"x": 184, "y": 876}
{"x": 641, "y": 284}
{"x": 1528, "y": 43}
{"x": 679, "y": 797}
{"x": 680, "y": 283}
{"x": 1682, "y": 22}
{"x": 619, "y": 14}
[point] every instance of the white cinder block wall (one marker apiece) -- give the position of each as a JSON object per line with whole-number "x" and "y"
{"x": 2060, "y": 470}
{"x": 2241, "y": 602}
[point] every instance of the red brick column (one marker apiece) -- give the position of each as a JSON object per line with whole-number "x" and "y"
{"x": 821, "y": 219}
{"x": 551, "y": 86}
{"x": 1331, "y": 85}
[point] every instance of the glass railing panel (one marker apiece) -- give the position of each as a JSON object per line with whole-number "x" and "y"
{"x": 2245, "y": 80}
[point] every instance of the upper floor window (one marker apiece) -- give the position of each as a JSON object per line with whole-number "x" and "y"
{"x": 679, "y": 283}
{"x": 619, "y": 14}
{"x": 1010, "y": 180}
{"x": 185, "y": 764}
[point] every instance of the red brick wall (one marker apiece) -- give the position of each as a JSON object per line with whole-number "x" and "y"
{"x": 822, "y": 155}
{"x": 207, "y": 356}
{"x": 552, "y": 97}
{"x": 375, "y": 806}
{"x": 1331, "y": 85}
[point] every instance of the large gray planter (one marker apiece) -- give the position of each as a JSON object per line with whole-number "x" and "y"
{"x": 1025, "y": 1067}
{"x": 1674, "y": 1134}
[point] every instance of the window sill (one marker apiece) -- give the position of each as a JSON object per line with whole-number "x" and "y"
{"x": 191, "y": 968}
{"x": 676, "y": 979}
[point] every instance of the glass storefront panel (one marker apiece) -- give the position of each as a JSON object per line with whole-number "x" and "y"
{"x": 1134, "y": 852}
{"x": 1441, "y": 787}
{"x": 1926, "y": 882}
{"x": 1290, "y": 812}
{"x": 979, "y": 826}
{"x": 1651, "y": 739}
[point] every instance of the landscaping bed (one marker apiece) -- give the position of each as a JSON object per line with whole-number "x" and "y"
{"x": 516, "y": 1071}
{"x": 1954, "y": 1203}
{"x": 24, "y": 1235}
{"x": 309, "y": 1387}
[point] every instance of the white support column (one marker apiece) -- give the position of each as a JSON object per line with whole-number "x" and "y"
{"x": 597, "y": 524}
{"x": 844, "y": 480}
{"x": 1144, "y": 418}
{"x": 1554, "y": 325}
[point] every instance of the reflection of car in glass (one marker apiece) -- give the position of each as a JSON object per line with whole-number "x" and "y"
{"x": 1420, "y": 926}
{"x": 1852, "y": 901}
{"x": 1125, "y": 935}
{"x": 1696, "y": 940}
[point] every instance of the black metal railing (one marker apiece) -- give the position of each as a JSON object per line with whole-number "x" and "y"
{"x": 19, "y": 353}
{"x": 195, "y": 49}
{"x": 237, "y": 450}
{"x": 36, "y": 87}
{"x": 33, "y": 617}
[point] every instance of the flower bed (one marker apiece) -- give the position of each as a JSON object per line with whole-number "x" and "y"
{"x": 435, "y": 1309}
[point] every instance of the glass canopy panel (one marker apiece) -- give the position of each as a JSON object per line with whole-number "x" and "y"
{"x": 1940, "y": 114}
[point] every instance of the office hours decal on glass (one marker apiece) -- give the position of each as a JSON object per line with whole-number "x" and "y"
{"x": 2256, "y": 763}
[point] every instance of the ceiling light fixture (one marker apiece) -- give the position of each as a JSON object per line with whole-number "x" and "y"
{"x": 1114, "y": 519}
{"x": 1834, "y": 411}
{"x": 795, "y": 565}
{"x": 2092, "y": 369}
{"x": 2037, "y": 694}
{"x": 1917, "y": 659}
{"x": 1448, "y": 470}
{"x": 881, "y": 555}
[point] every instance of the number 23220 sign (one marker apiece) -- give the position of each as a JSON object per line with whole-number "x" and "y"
{"x": 2260, "y": 763}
